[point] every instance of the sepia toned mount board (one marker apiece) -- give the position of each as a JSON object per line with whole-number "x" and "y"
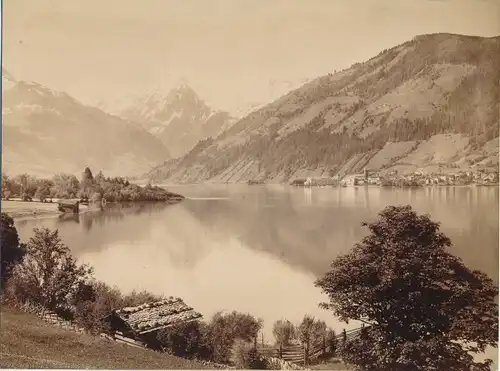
{"x": 134, "y": 322}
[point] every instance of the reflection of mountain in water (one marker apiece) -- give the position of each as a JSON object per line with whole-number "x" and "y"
{"x": 305, "y": 228}
{"x": 149, "y": 226}
{"x": 309, "y": 227}
{"x": 113, "y": 224}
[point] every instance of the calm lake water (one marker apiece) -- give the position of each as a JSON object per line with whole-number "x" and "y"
{"x": 258, "y": 249}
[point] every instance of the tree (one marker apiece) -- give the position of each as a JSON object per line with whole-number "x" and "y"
{"x": 48, "y": 274}
{"x": 319, "y": 334}
{"x": 224, "y": 329}
{"x": 87, "y": 175}
{"x": 43, "y": 191}
{"x": 65, "y": 186}
{"x": 11, "y": 251}
{"x": 283, "y": 331}
{"x": 331, "y": 341}
{"x": 425, "y": 310}
{"x": 99, "y": 178}
{"x": 27, "y": 185}
{"x": 306, "y": 334}
{"x": 6, "y": 186}
{"x": 86, "y": 183}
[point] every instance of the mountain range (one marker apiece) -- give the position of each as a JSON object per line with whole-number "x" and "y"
{"x": 430, "y": 104}
{"x": 179, "y": 118}
{"x": 46, "y": 131}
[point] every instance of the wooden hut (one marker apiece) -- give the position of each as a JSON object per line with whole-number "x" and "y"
{"x": 66, "y": 206}
{"x": 142, "y": 322}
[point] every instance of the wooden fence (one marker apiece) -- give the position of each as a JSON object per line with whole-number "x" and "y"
{"x": 54, "y": 319}
{"x": 296, "y": 353}
{"x": 292, "y": 354}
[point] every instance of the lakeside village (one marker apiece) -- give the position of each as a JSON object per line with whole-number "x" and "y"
{"x": 482, "y": 177}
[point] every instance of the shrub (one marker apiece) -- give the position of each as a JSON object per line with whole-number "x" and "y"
{"x": 140, "y": 297}
{"x": 184, "y": 340}
{"x": 246, "y": 356}
{"x": 91, "y": 308}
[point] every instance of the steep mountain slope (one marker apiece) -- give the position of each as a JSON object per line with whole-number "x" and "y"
{"x": 45, "y": 131}
{"x": 429, "y": 103}
{"x": 179, "y": 119}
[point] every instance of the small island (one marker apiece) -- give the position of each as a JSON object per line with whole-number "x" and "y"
{"x": 30, "y": 196}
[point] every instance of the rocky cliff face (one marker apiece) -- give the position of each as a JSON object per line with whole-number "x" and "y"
{"x": 430, "y": 103}
{"x": 179, "y": 119}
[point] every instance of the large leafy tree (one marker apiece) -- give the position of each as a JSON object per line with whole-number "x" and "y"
{"x": 425, "y": 310}
{"x": 48, "y": 274}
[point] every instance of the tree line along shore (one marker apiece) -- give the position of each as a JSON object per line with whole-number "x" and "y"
{"x": 94, "y": 189}
{"x": 421, "y": 307}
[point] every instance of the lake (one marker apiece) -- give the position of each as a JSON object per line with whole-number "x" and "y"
{"x": 258, "y": 249}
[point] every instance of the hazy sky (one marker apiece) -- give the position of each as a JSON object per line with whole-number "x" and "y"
{"x": 233, "y": 53}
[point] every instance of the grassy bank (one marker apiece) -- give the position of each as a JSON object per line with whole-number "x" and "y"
{"x": 28, "y": 342}
{"x": 22, "y": 209}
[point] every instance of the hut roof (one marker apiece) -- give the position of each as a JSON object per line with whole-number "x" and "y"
{"x": 154, "y": 316}
{"x": 71, "y": 202}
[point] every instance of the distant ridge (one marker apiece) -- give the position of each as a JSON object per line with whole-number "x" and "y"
{"x": 47, "y": 131}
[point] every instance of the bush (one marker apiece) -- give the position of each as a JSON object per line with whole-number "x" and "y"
{"x": 139, "y": 297}
{"x": 246, "y": 356}
{"x": 91, "y": 308}
{"x": 184, "y": 340}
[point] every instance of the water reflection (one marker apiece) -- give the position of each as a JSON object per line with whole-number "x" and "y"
{"x": 259, "y": 248}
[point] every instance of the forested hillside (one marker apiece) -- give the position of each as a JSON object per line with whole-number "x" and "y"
{"x": 430, "y": 103}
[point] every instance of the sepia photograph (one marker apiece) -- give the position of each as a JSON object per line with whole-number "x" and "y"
{"x": 250, "y": 184}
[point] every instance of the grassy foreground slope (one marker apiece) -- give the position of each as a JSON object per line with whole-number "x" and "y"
{"x": 28, "y": 342}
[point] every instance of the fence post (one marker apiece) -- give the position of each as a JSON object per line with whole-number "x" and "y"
{"x": 305, "y": 355}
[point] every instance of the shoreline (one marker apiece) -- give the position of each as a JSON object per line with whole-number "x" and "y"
{"x": 29, "y": 210}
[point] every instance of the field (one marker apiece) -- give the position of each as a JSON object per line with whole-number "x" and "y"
{"x": 21, "y": 209}
{"x": 28, "y": 342}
